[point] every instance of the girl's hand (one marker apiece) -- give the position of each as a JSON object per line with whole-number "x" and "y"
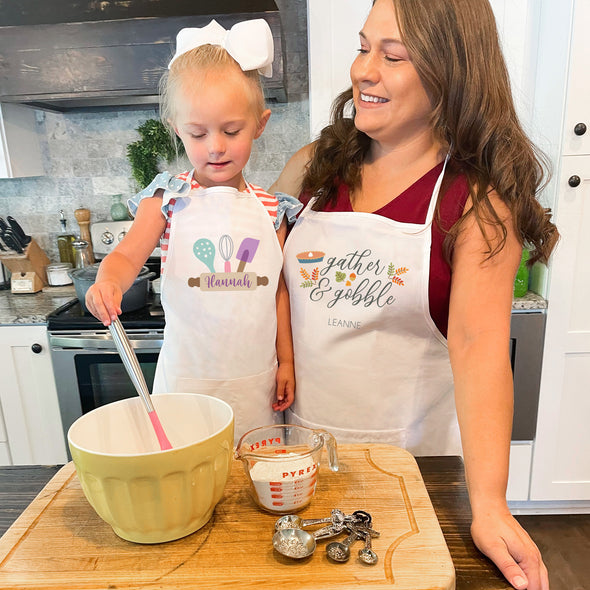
{"x": 103, "y": 300}
{"x": 285, "y": 386}
{"x": 508, "y": 545}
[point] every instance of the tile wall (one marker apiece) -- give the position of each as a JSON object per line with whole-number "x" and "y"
{"x": 85, "y": 152}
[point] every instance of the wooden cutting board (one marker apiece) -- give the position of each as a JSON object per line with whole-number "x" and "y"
{"x": 59, "y": 541}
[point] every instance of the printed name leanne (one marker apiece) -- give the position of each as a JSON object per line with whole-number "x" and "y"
{"x": 344, "y": 323}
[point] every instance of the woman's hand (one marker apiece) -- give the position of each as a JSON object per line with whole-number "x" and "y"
{"x": 285, "y": 386}
{"x": 508, "y": 545}
{"x": 103, "y": 300}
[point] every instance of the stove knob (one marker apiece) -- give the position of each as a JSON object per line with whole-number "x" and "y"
{"x": 122, "y": 235}
{"x": 107, "y": 238}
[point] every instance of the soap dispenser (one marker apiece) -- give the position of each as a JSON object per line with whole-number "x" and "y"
{"x": 64, "y": 241}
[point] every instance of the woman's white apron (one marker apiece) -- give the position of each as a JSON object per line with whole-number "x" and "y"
{"x": 219, "y": 297}
{"x": 370, "y": 364}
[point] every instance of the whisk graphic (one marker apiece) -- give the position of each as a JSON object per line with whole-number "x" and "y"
{"x": 226, "y": 249}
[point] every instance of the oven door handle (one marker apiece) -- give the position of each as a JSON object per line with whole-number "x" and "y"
{"x": 102, "y": 343}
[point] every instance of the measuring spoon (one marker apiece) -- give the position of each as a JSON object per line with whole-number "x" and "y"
{"x": 297, "y": 543}
{"x": 366, "y": 554}
{"x": 340, "y": 550}
{"x": 293, "y": 521}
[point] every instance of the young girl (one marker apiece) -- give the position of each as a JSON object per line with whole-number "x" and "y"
{"x": 224, "y": 298}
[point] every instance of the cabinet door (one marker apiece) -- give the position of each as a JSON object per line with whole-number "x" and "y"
{"x": 561, "y": 462}
{"x": 29, "y": 397}
{"x": 20, "y": 152}
{"x": 576, "y": 138}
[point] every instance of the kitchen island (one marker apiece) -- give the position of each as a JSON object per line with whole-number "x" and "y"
{"x": 443, "y": 478}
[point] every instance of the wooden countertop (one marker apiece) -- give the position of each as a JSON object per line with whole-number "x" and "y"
{"x": 443, "y": 478}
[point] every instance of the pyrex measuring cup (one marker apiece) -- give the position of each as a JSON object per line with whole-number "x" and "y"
{"x": 282, "y": 464}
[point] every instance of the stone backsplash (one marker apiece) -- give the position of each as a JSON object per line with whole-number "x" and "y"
{"x": 85, "y": 152}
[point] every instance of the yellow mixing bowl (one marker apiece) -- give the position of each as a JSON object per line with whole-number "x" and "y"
{"x": 145, "y": 494}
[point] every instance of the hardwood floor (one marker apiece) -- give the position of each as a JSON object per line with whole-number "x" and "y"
{"x": 564, "y": 542}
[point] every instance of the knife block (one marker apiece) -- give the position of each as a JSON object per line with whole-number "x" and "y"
{"x": 32, "y": 260}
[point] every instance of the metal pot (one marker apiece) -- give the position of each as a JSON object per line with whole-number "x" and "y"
{"x": 134, "y": 298}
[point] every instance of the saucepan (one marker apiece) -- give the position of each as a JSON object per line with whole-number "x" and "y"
{"x": 134, "y": 298}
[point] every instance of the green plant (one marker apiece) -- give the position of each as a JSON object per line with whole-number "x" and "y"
{"x": 155, "y": 144}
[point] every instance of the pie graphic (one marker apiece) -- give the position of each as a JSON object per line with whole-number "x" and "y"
{"x": 310, "y": 256}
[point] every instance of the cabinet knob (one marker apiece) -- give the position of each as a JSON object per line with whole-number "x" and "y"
{"x": 580, "y": 129}
{"x": 36, "y": 348}
{"x": 574, "y": 181}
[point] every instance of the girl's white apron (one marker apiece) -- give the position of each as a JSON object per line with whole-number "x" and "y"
{"x": 220, "y": 334}
{"x": 370, "y": 364}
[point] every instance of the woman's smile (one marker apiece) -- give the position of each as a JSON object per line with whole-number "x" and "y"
{"x": 369, "y": 98}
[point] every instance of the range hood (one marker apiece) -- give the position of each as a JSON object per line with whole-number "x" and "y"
{"x": 65, "y": 55}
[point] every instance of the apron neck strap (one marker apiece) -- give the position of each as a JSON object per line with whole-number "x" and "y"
{"x": 436, "y": 190}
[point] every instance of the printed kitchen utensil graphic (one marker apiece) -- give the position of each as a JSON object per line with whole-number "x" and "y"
{"x": 204, "y": 250}
{"x": 226, "y": 249}
{"x": 246, "y": 252}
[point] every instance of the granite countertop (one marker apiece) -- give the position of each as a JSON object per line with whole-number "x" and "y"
{"x": 33, "y": 308}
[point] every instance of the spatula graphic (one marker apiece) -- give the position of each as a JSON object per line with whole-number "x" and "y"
{"x": 246, "y": 252}
{"x": 205, "y": 251}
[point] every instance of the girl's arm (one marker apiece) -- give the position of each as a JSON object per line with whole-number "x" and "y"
{"x": 478, "y": 340}
{"x": 119, "y": 269}
{"x": 286, "y": 370}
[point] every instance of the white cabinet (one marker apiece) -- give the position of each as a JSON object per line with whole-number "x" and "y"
{"x": 20, "y": 152}
{"x": 561, "y": 458}
{"x": 28, "y": 398}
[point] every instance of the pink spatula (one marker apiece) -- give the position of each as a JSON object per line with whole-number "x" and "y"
{"x": 131, "y": 363}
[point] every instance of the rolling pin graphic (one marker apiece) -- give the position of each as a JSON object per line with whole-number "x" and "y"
{"x": 231, "y": 281}
{"x": 246, "y": 252}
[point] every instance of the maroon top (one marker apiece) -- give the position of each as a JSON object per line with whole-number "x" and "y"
{"x": 411, "y": 206}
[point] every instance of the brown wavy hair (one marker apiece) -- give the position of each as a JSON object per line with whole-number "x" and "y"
{"x": 454, "y": 46}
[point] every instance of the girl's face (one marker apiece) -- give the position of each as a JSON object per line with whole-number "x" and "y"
{"x": 217, "y": 124}
{"x": 391, "y": 104}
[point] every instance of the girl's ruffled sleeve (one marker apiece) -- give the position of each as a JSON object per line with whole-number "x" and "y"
{"x": 172, "y": 186}
{"x": 288, "y": 206}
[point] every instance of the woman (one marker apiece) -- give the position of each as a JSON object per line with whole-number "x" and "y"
{"x": 418, "y": 206}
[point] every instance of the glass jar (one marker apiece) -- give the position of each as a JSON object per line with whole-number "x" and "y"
{"x": 118, "y": 209}
{"x": 58, "y": 275}
{"x": 82, "y": 254}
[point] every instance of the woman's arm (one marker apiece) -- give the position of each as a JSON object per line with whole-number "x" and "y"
{"x": 478, "y": 340}
{"x": 118, "y": 270}
{"x": 291, "y": 178}
{"x": 286, "y": 370}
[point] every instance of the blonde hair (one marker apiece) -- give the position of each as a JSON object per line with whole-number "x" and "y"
{"x": 191, "y": 67}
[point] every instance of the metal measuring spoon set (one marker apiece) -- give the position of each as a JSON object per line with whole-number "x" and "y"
{"x": 292, "y": 541}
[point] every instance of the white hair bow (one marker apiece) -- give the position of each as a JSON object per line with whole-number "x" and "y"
{"x": 248, "y": 42}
